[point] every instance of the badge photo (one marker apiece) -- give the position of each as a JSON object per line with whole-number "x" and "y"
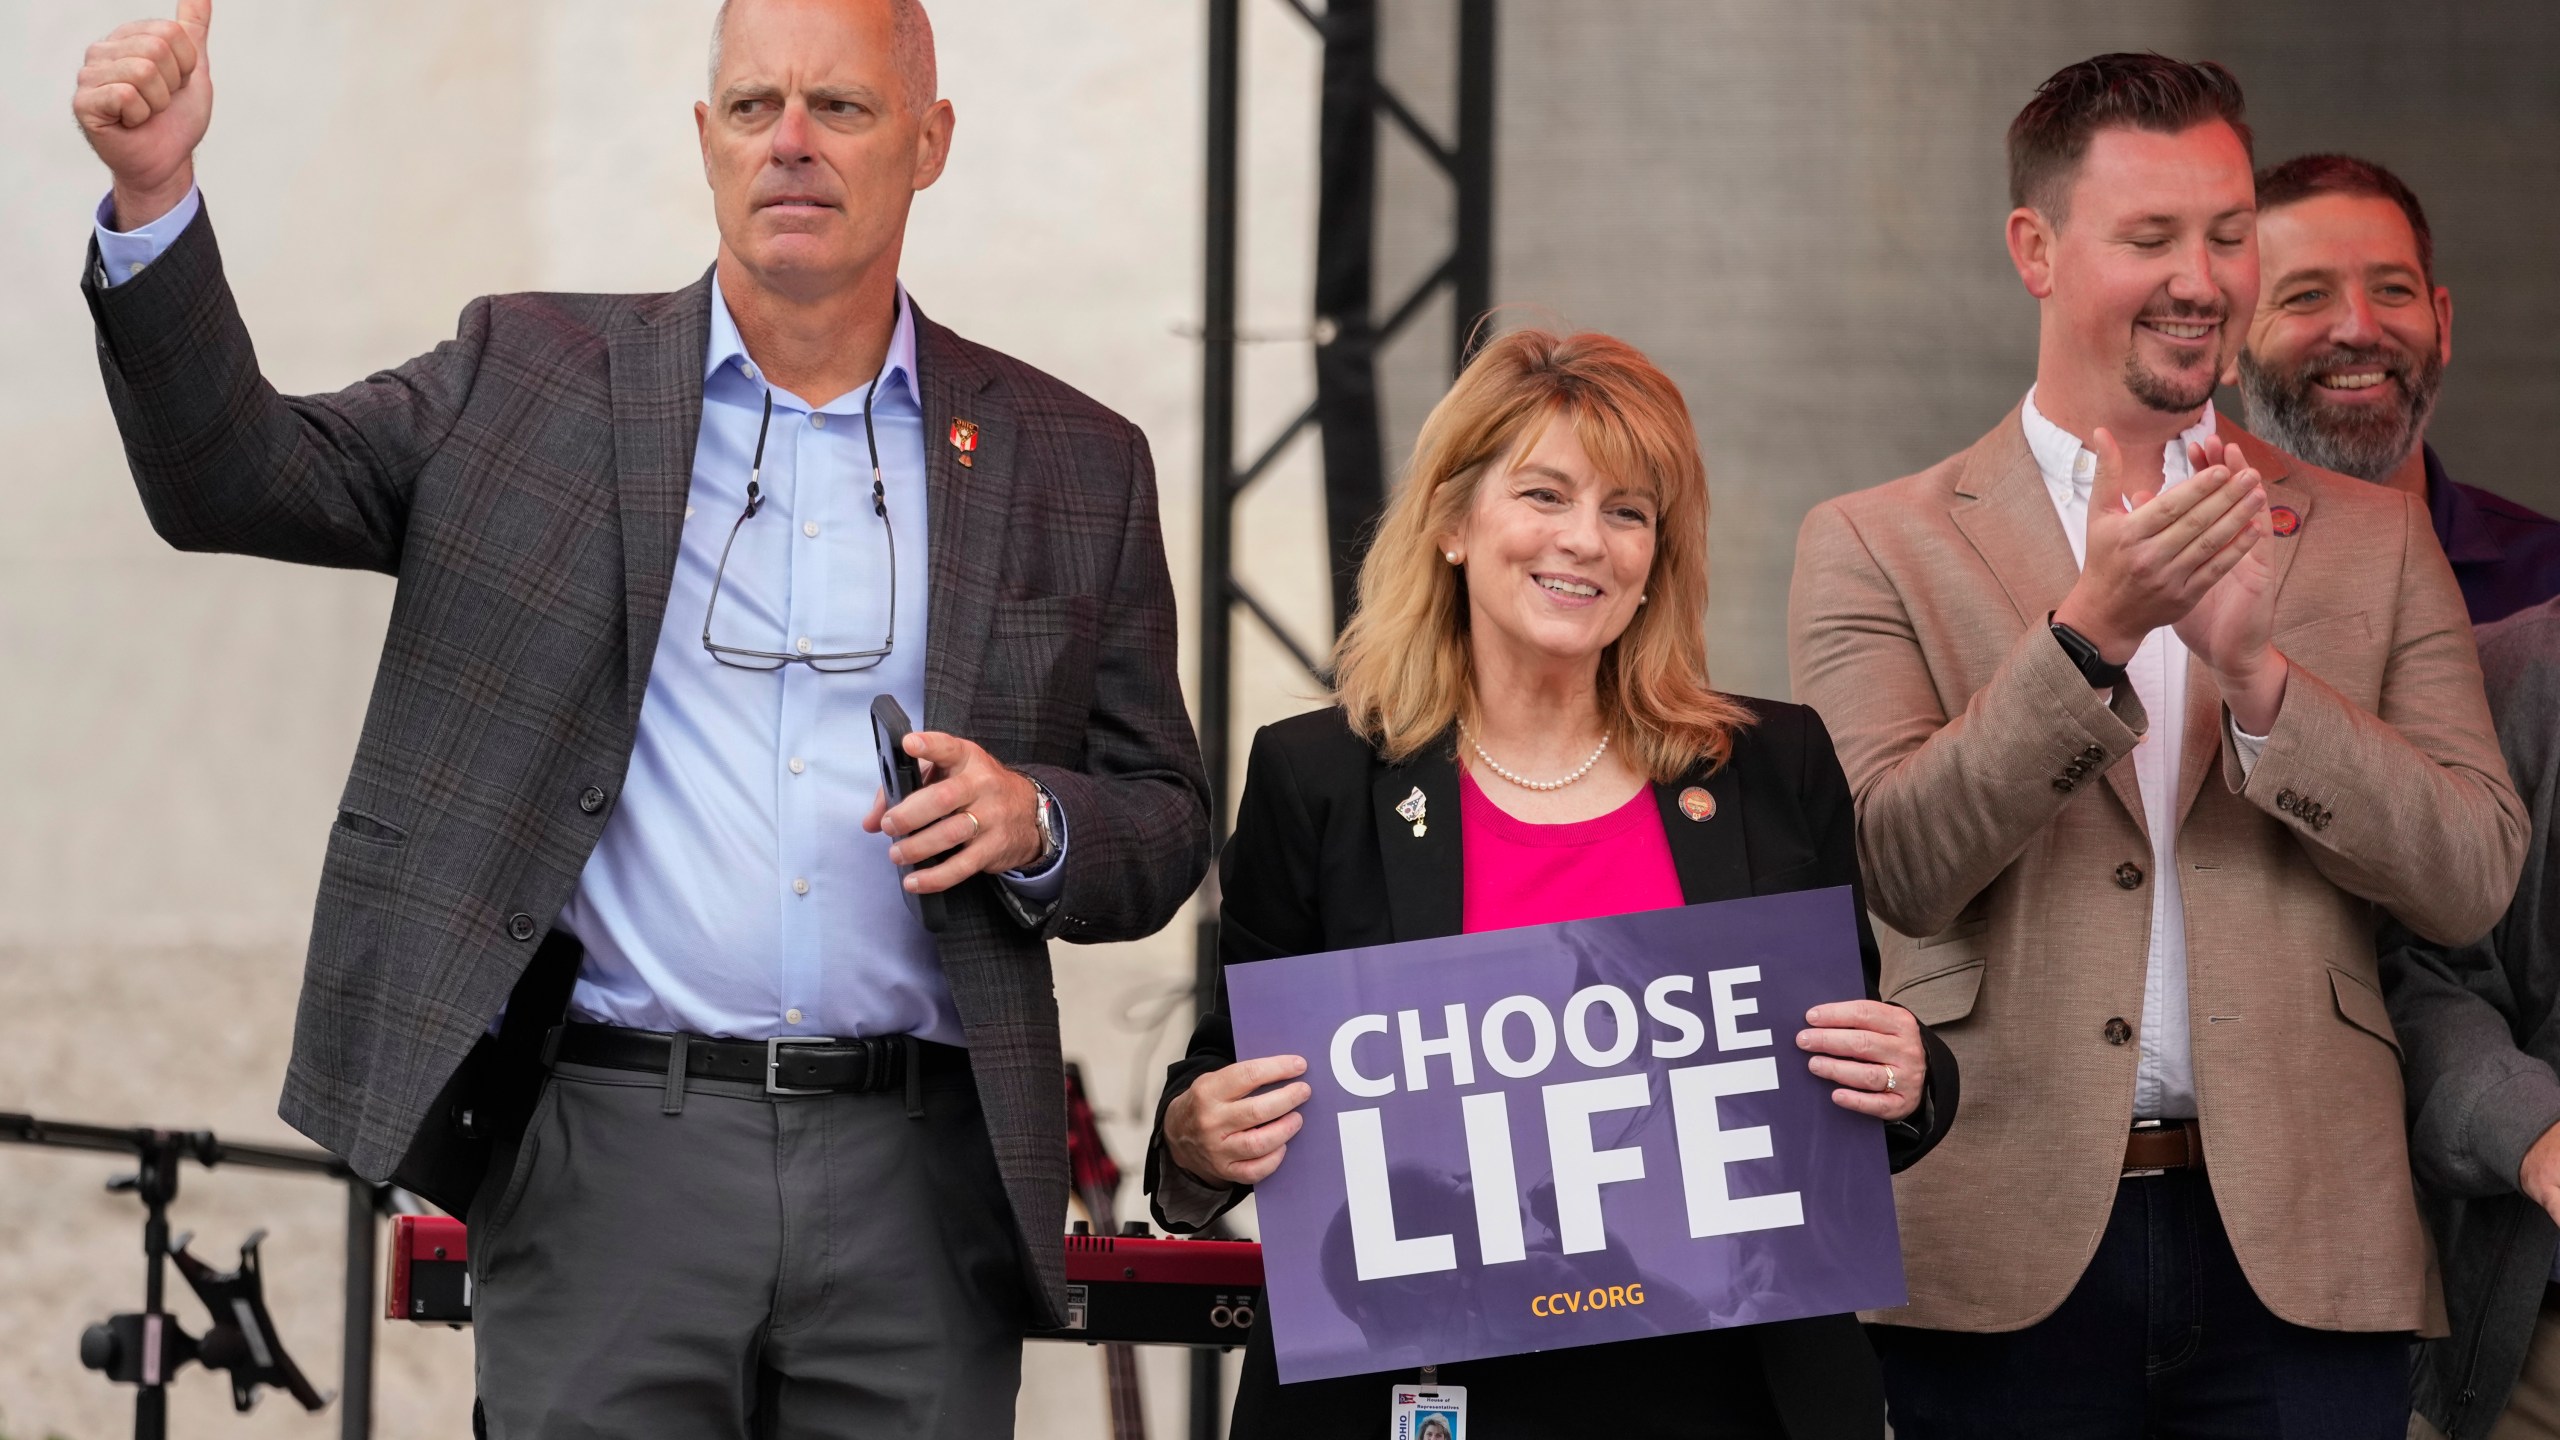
{"x": 1429, "y": 1412}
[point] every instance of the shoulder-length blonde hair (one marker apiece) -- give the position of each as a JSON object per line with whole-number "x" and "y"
{"x": 1401, "y": 668}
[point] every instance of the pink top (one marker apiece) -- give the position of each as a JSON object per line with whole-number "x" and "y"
{"x": 1518, "y": 873}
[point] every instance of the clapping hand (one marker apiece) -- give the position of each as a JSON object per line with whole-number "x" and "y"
{"x": 2231, "y": 627}
{"x": 2152, "y": 556}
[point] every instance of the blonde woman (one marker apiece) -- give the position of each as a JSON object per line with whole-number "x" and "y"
{"x": 1530, "y": 653}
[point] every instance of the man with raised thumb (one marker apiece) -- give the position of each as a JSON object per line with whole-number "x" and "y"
{"x": 2148, "y": 724}
{"x": 771, "y": 1138}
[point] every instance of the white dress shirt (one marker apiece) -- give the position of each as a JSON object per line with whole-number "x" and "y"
{"x": 2164, "y": 1086}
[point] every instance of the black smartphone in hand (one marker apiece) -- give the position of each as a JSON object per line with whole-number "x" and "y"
{"x": 902, "y": 775}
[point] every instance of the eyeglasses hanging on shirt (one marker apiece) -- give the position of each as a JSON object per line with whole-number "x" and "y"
{"x": 838, "y": 661}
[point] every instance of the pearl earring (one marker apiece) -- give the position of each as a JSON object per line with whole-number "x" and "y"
{"x": 1641, "y": 597}
{"x": 1452, "y": 556}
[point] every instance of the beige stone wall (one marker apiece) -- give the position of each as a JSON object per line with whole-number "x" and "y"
{"x": 174, "y": 729}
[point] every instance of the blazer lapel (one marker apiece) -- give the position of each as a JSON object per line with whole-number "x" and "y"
{"x": 2200, "y": 743}
{"x": 1709, "y": 855}
{"x": 1425, "y": 873}
{"x": 655, "y": 360}
{"x": 966, "y": 511}
{"x": 2007, "y": 514}
{"x": 2287, "y": 489}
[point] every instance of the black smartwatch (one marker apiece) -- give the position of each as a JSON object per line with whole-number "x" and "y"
{"x": 2093, "y": 667}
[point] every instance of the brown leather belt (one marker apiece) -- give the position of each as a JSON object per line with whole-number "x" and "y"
{"x": 2167, "y": 1145}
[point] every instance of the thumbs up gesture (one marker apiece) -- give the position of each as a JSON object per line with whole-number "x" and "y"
{"x": 144, "y": 98}
{"x": 2152, "y": 556}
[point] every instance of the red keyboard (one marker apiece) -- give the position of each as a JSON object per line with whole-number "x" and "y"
{"x": 1140, "y": 1290}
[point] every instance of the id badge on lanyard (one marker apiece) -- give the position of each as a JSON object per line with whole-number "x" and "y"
{"x": 1429, "y": 1412}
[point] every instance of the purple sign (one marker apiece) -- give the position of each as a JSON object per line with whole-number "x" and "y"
{"x": 1565, "y": 1135}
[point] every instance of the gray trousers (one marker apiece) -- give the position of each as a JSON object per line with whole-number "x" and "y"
{"x": 755, "y": 1265}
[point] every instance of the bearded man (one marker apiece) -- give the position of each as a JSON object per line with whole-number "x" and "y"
{"x": 2147, "y": 724}
{"x": 2347, "y": 353}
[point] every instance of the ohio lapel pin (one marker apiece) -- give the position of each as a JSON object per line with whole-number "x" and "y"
{"x": 964, "y": 438}
{"x": 1697, "y": 804}
{"x": 2284, "y": 519}
{"x": 1414, "y": 807}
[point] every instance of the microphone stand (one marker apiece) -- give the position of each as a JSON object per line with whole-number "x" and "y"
{"x": 146, "y": 1349}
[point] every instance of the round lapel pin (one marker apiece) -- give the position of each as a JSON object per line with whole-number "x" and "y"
{"x": 1697, "y": 804}
{"x": 2285, "y": 519}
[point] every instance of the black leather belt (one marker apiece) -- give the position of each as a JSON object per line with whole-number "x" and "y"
{"x": 783, "y": 1065}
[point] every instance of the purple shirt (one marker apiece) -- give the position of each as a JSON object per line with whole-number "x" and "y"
{"x": 2504, "y": 556}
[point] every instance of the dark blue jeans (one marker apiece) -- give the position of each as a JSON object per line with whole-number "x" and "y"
{"x": 2162, "y": 1337}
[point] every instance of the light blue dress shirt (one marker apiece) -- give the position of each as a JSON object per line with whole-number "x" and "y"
{"x": 734, "y": 892}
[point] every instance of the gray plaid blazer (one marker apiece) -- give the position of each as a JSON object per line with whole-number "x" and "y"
{"x": 525, "y": 481}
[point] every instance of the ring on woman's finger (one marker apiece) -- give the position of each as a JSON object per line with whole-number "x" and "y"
{"x": 1891, "y": 1085}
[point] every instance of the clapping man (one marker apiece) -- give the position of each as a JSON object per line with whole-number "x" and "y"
{"x": 797, "y": 1167}
{"x": 2146, "y": 722}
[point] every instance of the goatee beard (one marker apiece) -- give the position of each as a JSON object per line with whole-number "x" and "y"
{"x": 2172, "y": 394}
{"x": 2287, "y": 412}
{"x": 2176, "y": 392}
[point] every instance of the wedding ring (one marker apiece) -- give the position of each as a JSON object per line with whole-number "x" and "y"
{"x": 975, "y": 827}
{"x": 1890, "y": 1084}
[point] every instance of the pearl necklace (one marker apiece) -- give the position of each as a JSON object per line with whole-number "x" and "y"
{"x": 1526, "y": 784}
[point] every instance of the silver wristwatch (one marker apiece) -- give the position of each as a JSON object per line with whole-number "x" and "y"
{"x": 1047, "y": 815}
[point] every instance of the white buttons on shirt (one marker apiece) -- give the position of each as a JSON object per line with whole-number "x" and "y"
{"x": 792, "y": 1014}
{"x": 799, "y": 887}
{"x": 798, "y": 764}
{"x": 803, "y": 643}
{"x": 809, "y": 528}
{"x": 817, "y": 422}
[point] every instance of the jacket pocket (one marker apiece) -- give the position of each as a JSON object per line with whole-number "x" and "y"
{"x": 2361, "y": 1005}
{"x": 359, "y": 874}
{"x": 359, "y": 825}
{"x": 1942, "y": 996}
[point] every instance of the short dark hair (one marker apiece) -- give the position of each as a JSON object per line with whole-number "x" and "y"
{"x": 2149, "y": 91}
{"x": 2304, "y": 176}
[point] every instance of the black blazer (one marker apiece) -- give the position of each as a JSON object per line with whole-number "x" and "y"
{"x": 1321, "y": 861}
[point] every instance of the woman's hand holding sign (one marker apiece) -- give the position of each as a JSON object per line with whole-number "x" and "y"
{"x": 1872, "y": 1051}
{"x": 1220, "y": 1131}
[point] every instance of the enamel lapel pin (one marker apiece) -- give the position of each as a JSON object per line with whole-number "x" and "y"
{"x": 1414, "y": 807}
{"x": 964, "y": 438}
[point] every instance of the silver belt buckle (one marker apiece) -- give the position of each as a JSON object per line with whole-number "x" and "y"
{"x": 773, "y": 1063}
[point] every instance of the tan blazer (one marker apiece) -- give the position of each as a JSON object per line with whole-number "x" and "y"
{"x": 2003, "y": 839}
